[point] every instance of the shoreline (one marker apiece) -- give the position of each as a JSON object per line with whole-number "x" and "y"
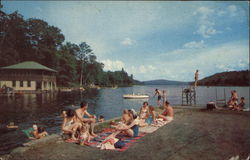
{"x": 179, "y": 113}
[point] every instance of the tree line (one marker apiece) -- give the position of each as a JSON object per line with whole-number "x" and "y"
{"x": 35, "y": 40}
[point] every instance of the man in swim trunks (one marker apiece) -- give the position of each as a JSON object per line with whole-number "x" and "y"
{"x": 196, "y": 76}
{"x": 157, "y": 92}
{"x": 168, "y": 113}
{"x": 81, "y": 112}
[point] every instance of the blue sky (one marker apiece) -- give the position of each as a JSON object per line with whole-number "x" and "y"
{"x": 152, "y": 40}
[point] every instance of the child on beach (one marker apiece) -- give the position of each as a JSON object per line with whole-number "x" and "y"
{"x": 84, "y": 134}
{"x": 38, "y": 132}
{"x": 101, "y": 118}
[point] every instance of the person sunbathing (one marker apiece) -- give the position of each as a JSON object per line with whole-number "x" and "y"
{"x": 38, "y": 132}
{"x": 131, "y": 129}
{"x": 143, "y": 115}
{"x": 241, "y": 105}
{"x": 84, "y": 134}
{"x": 233, "y": 101}
{"x": 168, "y": 113}
{"x": 109, "y": 142}
{"x": 153, "y": 115}
{"x": 144, "y": 111}
{"x": 125, "y": 117}
{"x": 70, "y": 125}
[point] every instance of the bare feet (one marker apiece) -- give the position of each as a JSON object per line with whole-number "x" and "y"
{"x": 93, "y": 134}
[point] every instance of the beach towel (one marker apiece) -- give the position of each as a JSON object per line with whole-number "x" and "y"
{"x": 123, "y": 139}
{"x": 153, "y": 127}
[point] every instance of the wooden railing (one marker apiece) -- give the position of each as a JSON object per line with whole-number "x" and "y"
{"x": 27, "y": 77}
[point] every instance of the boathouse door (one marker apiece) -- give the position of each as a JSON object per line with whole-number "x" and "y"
{"x": 38, "y": 85}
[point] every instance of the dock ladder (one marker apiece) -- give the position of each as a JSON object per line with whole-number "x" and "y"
{"x": 221, "y": 102}
{"x": 188, "y": 96}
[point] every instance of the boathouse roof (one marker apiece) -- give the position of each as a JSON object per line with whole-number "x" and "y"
{"x": 30, "y": 65}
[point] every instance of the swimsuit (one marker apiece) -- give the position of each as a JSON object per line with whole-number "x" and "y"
{"x": 143, "y": 113}
{"x": 135, "y": 129}
{"x": 159, "y": 97}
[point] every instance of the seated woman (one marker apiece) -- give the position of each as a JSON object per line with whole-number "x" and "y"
{"x": 233, "y": 101}
{"x": 152, "y": 118}
{"x": 143, "y": 115}
{"x": 144, "y": 111}
{"x": 241, "y": 106}
{"x": 168, "y": 114}
{"x": 70, "y": 125}
{"x": 131, "y": 129}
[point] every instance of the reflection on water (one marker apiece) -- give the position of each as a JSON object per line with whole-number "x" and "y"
{"x": 45, "y": 109}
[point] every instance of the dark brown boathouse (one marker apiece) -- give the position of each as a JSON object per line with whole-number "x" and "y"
{"x": 28, "y": 76}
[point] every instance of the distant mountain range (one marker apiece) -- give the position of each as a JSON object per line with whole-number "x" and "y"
{"x": 232, "y": 78}
{"x": 164, "y": 82}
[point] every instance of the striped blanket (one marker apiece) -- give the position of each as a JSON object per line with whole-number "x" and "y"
{"x": 128, "y": 141}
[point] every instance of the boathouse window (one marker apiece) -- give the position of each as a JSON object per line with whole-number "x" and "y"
{"x": 21, "y": 83}
{"x": 28, "y": 84}
{"x": 13, "y": 83}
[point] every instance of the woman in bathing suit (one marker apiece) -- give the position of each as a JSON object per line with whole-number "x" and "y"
{"x": 132, "y": 129}
{"x": 70, "y": 125}
{"x": 144, "y": 111}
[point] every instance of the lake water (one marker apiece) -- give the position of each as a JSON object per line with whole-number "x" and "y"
{"x": 45, "y": 109}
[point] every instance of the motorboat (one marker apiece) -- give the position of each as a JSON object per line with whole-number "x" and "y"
{"x": 135, "y": 96}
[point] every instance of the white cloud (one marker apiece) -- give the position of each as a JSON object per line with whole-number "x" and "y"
{"x": 194, "y": 45}
{"x": 221, "y": 13}
{"x": 225, "y": 57}
{"x": 128, "y": 41}
{"x": 204, "y": 12}
{"x": 232, "y": 9}
{"x": 206, "y": 24}
{"x": 39, "y": 9}
{"x": 113, "y": 65}
{"x": 141, "y": 69}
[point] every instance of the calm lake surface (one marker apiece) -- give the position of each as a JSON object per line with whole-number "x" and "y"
{"x": 45, "y": 109}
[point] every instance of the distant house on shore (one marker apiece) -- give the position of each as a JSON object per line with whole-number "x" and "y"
{"x": 28, "y": 76}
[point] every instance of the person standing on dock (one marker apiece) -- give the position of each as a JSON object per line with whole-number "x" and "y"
{"x": 157, "y": 92}
{"x": 196, "y": 78}
{"x": 81, "y": 112}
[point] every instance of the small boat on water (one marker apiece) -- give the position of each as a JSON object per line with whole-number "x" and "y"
{"x": 135, "y": 96}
